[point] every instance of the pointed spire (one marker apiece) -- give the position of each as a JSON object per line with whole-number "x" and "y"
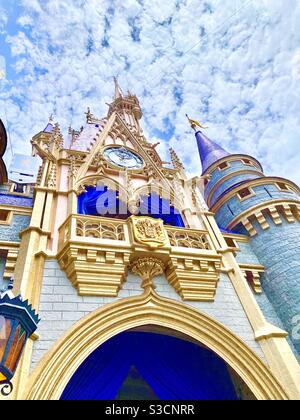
{"x": 175, "y": 159}
{"x": 89, "y": 115}
{"x": 57, "y": 136}
{"x": 210, "y": 152}
{"x": 118, "y": 90}
{"x": 49, "y": 126}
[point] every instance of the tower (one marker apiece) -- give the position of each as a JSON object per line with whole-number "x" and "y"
{"x": 246, "y": 201}
{"x": 139, "y": 292}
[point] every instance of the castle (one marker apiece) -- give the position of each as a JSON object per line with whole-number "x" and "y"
{"x": 150, "y": 285}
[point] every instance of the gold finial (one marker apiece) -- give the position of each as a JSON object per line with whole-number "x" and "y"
{"x": 118, "y": 90}
{"x": 89, "y": 115}
{"x": 195, "y": 124}
{"x": 51, "y": 118}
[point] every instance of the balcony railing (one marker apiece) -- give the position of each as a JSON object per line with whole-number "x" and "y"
{"x": 79, "y": 227}
{"x": 188, "y": 238}
{"x": 96, "y": 253}
{"x": 100, "y": 229}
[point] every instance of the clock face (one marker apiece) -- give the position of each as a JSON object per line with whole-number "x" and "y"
{"x": 123, "y": 158}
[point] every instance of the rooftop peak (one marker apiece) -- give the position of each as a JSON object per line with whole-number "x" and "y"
{"x": 118, "y": 90}
{"x": 210, "y": 152}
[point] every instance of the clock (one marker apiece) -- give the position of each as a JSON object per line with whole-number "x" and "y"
{"x": 123, "y": 158}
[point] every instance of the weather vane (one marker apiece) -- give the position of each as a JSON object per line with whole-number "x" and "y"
{"x": 195, "y": 124}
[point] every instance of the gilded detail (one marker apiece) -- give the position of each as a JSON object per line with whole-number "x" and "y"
{"x": 188, "y": 238}
{"x": 149, "y": 231}
{"x": 100, "y": 229}
{"x": 147, "y": 269}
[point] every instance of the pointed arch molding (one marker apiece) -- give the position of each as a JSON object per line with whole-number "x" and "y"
{"x": 51, "y": 376}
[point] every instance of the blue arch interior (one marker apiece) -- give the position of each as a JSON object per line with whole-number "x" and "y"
{"x": 104, "y": 202}
{"x": 173, "y": 368}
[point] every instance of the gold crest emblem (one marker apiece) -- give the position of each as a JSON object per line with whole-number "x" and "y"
{"x": 149, "y": 231}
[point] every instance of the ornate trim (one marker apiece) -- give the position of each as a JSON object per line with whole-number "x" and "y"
{"x": 194, "y": 278}
{"x": 252, "y": 274}
{"x": 95, "y": 253}
{"x": 277, "y": 209}
{"x": 149, "y": 231}
{"x": 147, "y": 269}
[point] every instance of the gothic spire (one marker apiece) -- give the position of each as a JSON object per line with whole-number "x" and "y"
{"x": 118, "y": 90}
{"x": 175, "y": 159}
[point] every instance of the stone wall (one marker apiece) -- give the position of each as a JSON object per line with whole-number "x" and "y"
{"x": 11, "y": 233}
{"x": 278, "y": 249}
{"x": 263, "y": 193}
{"x": 234, "y": 166}
{"x": 229, "y": 183}
{"x": 61, "y": 307}
{"x": 246, "y": 254}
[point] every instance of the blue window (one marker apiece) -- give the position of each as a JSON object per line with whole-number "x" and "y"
{"x": 104, "y": 202}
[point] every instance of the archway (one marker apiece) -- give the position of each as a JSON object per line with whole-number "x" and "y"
{"x": 139, "y": 365}
{"x": 52, "y": 375}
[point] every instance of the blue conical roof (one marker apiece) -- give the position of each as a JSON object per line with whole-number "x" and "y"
{"x": 210, "y": 152}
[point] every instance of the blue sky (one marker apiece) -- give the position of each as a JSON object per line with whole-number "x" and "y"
{"x": 233, "y": 64}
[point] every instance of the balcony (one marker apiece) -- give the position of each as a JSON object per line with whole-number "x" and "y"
{"x": 96, "y": 253}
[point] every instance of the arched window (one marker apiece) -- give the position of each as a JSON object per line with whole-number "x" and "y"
{"x": 104, "y": 202}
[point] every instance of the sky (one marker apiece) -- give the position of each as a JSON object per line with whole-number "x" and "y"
{"x": 232, "y": 64}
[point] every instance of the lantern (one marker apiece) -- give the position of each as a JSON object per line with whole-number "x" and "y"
{"x": 18, "y": 321}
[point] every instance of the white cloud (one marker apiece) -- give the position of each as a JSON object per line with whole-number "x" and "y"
{"x": 232, "y": 64}
{"x": 3, "y": 18}
{"x": 2, "y": 67}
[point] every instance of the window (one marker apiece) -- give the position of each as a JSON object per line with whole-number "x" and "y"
{"x": 20, "y": 188}
{"x": 223, "y": 166}
{"x": 247, "y": 162}
{"x": 104, "y": 202}
{"x": 244, "y": 193}
{"x": 230, "y": 242}
{"x": 282, "y": 186}
{"x": 4, "y": 216}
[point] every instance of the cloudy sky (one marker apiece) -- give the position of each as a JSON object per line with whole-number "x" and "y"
{"x": 232, "y": 64}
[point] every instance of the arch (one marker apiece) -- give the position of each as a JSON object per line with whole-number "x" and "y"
{"x": 93, "y": 180}
{"x": 159, "y": 189}
{"x": 58, "y": 366}
{"x": 140, "y": 363}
